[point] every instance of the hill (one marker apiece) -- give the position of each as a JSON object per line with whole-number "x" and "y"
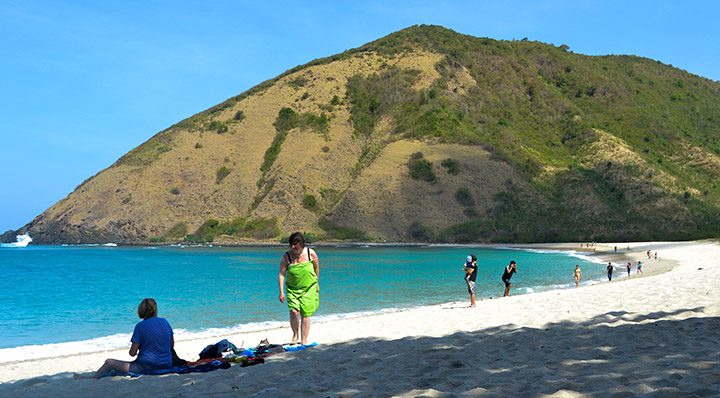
{"x": 425, "y": 135}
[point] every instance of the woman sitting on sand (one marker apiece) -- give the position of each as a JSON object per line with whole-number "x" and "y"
{"x": 152, "y": 342}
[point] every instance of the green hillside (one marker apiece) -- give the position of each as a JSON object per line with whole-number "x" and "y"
{"x": 633, "y": 140}
{"x": 425, "y": 135}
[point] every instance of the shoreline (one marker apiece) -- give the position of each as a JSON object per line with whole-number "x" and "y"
{"x": 442, "y": 321}
{"x": 35, "y": 351}
{"x": 601, "y": 256}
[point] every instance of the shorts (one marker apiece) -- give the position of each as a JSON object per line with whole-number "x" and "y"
{"x": 144, "y": 368}
{"x": 471, "y": 286}
{"x": 507, "y": 282}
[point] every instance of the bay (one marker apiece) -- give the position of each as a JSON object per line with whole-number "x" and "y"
{"x": 72, "y": 298}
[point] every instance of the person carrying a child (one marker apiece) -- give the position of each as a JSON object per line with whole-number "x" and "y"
{"x": 470, "y": 270}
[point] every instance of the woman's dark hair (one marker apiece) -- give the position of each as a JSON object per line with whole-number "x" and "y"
{"x": 297, "y": 237}
{"x": 474, "y": 257}
{"x": 147, "y": 308}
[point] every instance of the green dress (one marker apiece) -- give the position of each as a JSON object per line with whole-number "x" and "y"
{"x": 301, "y": 287}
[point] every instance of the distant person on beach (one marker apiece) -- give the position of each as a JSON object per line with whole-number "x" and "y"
{"x": 299, "y": 277}
{"x": 578, "y": 275}
{"x": 629, "y": 267}
{"x": 648, "y": 253}
{"x": 639, "y": 268}
{"x": 655, "y": 255}
{"x": 152, "y": 342}
{"x": 471, "y": 269}
{"x": 610, "y": 270}
{"x": 509, "y": 271}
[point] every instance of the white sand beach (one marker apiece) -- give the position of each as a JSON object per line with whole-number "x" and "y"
{"x": 653, "y": 335}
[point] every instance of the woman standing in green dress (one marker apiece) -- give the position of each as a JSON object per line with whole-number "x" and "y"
{"x": 299, "y": 274}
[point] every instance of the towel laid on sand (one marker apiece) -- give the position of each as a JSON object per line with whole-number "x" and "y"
{"x": 201, "y": 368}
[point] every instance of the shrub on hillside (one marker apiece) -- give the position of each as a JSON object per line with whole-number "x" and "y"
{"x": 319, "y": 124}
{"x": 330, "y": 196}
{"x": 297, "y": 82}
{"x": 261, "y": 228}
{"x": 372, "y": 96}
{"x": 309, "y": 202}
{"x": 420, "y": 168}
{"x": 221, "y": 173}
{"x": 218, "y": 127}
{"x": 471, "y": 212}
{"x": 233, "y": 227}
{"x": 464, "y": 197}
{"x": 286, "y": 119}
{"x": 452, "y": 166}
{"x": 206, "y": 233}
{"x": 177, "y": 231}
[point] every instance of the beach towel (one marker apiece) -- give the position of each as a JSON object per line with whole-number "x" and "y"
{"x": 299, "y": 347}
{"x": 301, "y": 288}
{"x": 202, "y": 368}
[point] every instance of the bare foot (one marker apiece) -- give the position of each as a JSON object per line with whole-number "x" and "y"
{"x": 78, "y": 376}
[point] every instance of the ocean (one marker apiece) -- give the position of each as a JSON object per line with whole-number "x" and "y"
{"x": 60, "y": 300}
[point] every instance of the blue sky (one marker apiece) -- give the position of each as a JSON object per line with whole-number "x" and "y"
{"x": 84, "y": 82}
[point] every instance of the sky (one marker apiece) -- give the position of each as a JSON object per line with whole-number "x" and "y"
{"x": 84, "y": 82}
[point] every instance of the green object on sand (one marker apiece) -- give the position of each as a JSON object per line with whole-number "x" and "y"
{"x": 301, "y": 287}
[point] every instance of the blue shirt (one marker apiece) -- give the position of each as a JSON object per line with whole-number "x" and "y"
{"x": 155, "y": 338}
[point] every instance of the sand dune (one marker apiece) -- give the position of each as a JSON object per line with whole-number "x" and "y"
{"x": 655, "y": 335}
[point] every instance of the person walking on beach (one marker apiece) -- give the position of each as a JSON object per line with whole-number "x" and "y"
{"x": 610, "y": 270}
{"x": 509, "y": 271}
{"x": 299, "y": 277}
{"x": 639, "y": 268}
{"x": 629, "y": 267}
{"x": 578, "y": 275}
{"x": 152, "y": 342}
{"x": 471, "y": 269}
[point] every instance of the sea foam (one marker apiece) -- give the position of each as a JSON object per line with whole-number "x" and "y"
{"x": 22, "y": 241}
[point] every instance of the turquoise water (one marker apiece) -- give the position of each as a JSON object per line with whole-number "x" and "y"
{"x": 70, "y": 298}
